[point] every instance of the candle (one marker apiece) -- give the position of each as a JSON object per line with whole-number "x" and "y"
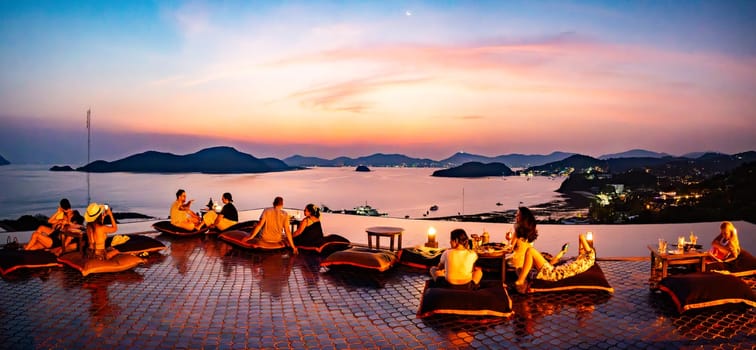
{"x": 589, "y": 238}
{"x": 431, "y": 234}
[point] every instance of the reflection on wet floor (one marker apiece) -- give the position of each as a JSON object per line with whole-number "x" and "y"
{"x": 202, "y": 292}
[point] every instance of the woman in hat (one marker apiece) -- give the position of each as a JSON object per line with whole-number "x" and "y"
{"x": 227, "y": 217}
{"x": 97, "y": 230}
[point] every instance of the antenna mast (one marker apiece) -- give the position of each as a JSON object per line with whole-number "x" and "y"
{"x": 89, "y": 147}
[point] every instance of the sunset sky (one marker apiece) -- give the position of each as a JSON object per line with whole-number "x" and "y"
{"x": 426, "y": 79}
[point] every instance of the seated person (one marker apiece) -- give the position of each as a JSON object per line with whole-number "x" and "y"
{"x": 48, "y": 236}
{"x": 182, "y": 215}
{"x": 273, "y": 222}
{"x": 457, "y": 265}
{"x": 726, "y": 246}
{"x": 310, "y": 231}
{"x": 227, "y": 217}
{"x": 523, "y": 238}
{"x": 97, "y": 230}
{"x": 548, "y": 272}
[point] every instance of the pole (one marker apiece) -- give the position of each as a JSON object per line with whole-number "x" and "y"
{"x": 89, "y": 147}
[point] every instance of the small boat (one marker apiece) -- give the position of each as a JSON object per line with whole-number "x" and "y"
{"x": 433, "y": 208}
{"x": 498, "y": 204}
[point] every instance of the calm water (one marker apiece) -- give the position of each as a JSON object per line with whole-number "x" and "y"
{"x": 396, "y": 191}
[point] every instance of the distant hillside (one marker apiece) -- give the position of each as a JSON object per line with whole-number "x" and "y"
{"x": 475, "y": 169}
{"x": 3, "y": 161}
{"x": 376, "y": 160}
{"x": 216, "y": 160}
{"x": 514, "y": 160}
{"x": 635, "y": 153}
{"x": 706, "y": 165}
{"x": 578, "y": 162}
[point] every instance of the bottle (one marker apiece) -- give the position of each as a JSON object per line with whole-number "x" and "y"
{"x": 486, "y": 236}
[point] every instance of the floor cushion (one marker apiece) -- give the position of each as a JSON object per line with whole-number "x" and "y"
{"x": 237, "y": 238}
{"x": 420, "y": 257}
{"x": 706, "y": 289}
{"x": 490, "y": 299}
{"x": 327, "y": 244}
{"x": 167, "y": 228}
{"x": 136, "y": 244}
{"x": 239, "y": 226}
{"x": 12, "y": 260}
{"x": 379, "y": 260}
{"x": 117, "y": 263}
{"x": 744, "y": 265}
{"x": 592, "y": 279}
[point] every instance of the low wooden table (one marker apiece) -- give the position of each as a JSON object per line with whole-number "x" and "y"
{"x": 661, "y": 261}
{"x": 384, "y": 231}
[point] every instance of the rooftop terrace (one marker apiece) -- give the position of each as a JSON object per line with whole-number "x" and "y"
{"x": 204, "y": 293}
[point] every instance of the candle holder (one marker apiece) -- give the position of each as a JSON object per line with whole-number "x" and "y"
{"x": 589, "y": 239}
{"x": 431, "y": 238}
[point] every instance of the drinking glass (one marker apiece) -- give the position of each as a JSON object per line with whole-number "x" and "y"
{"x": 662, "y": 245}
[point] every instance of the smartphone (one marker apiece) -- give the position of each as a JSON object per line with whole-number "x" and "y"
{"x": 565, "y": 246}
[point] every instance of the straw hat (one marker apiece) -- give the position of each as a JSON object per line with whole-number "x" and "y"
{"x": 93, "y": 211}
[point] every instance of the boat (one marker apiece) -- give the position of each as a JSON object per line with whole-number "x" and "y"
{"x": 364, "y": 210}
{"x": 433, "y": 207}
{"x": 498, "y": 204}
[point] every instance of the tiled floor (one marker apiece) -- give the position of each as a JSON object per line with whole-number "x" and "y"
{"x": 202, "y": 293}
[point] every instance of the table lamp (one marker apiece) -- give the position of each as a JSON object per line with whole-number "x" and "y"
{"x": 431, "y": 238}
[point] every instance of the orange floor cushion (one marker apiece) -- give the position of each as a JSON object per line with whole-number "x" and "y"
{"x": 489, "y": 299}
{"x": 237, "y": 238}
{"x": 327, "y": 245}
{"x": 120, "y": 262}
{"x": 380, "y": 260}
{"x": 744, "y": 265}
{"x": 167, "y": 228}
{"x": 592, "y": 279}
{"x": 420, "y": 257}
{"x": 247, "y": 226}
{"x": 136, "y": 244}
{"x": 12, "y": 260}
{"x": 706, "y": 289}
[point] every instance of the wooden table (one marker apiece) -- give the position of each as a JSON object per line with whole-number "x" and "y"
{"x": 661, "y": 261}
{"x": 384, "y": 231}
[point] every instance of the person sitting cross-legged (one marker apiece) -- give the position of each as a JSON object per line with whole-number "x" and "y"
{"x": 457, "y": 265}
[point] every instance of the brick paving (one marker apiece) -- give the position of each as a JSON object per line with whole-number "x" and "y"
{"x": 203, "y": 293}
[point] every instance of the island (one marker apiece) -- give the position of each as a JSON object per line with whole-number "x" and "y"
{"x": 214, "y": 160}
{"x": 362, "y": 168}
{"x": 475, "y": 169}
{"x": 3, "y": 161}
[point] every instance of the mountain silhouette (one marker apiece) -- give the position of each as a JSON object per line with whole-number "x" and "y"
{"x": 3, "y": 161}
{"x": 215, "y": 160}
{"x": 475, "y": 169}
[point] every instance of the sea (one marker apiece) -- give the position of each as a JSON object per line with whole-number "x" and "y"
{"x": 400, "y": 193}
{"x": 397, "y": 192}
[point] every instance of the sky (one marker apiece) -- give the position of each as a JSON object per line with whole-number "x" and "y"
{"x": 341, "y": 78}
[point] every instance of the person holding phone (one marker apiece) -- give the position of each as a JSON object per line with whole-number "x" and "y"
{"x": 48, "y": 236}
{"x": 548, "y": 272}
{"x": 97, "y": 230}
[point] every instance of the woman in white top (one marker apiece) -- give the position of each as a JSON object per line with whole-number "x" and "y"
{"x": 457, "y": 265}
{"x": 725, "y": 247}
